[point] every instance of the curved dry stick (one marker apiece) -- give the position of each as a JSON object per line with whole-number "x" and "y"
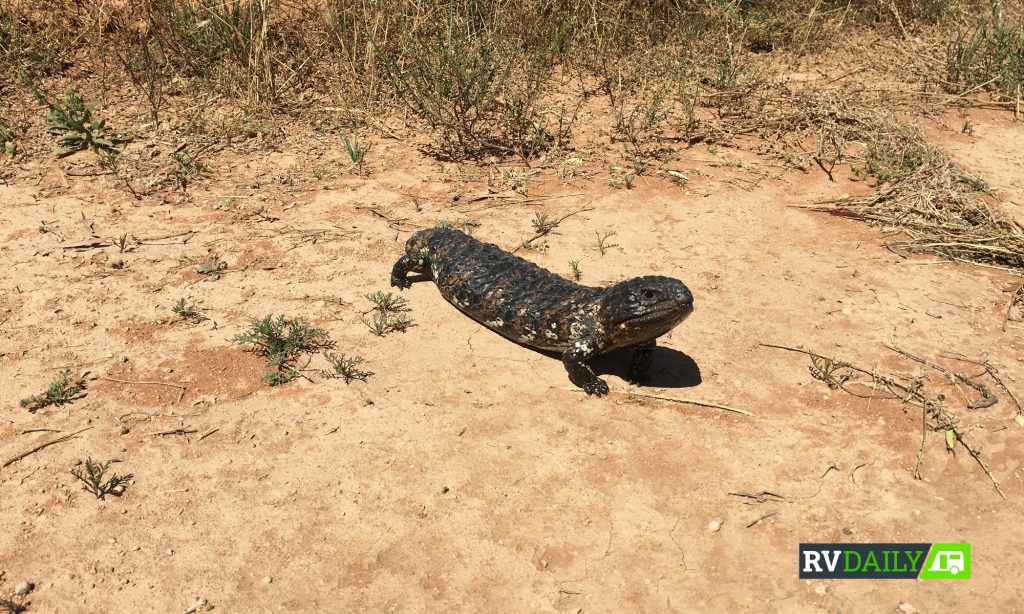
{"x": 690, "y": 402}
{"x": 17, "y": 458}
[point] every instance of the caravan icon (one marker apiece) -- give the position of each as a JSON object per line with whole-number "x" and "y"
{"x": 951, "y": 561}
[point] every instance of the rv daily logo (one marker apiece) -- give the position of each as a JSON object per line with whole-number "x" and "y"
{"x": 886, "y": 561}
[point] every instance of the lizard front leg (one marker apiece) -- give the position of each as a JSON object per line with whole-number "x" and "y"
{"x": 403, "y": 267}
{"x": 580, "y": 372}
{"x": 643, "y": 354}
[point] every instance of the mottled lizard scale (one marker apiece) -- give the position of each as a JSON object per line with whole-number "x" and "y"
{"x": 505, "y": 293}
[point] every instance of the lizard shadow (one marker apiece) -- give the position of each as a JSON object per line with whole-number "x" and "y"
{"x": 669, "y": 368}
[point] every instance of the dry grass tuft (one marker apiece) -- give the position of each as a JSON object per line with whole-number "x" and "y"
{"x": 939, "y": 207}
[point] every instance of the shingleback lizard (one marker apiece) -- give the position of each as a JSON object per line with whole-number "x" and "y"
{"x": 534, "y": 307}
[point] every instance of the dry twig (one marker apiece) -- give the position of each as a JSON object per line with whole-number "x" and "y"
{"x": 17, "y": 458}
{"x": 691, "y": 402}
{"x": 908, "y": 393}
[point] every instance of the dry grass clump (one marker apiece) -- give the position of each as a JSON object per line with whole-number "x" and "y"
{"x": 938, "y": 206}
{"x": 922, "y": 194}
{"x": 934, "y": 203}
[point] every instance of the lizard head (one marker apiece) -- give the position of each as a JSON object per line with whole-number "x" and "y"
{"x": 643, "y": 308}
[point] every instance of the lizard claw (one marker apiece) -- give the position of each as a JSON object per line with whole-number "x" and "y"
{"x": 400, "y": 283}
{"x": 597, "y": 386}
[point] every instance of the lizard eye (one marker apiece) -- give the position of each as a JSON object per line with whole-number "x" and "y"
{"x": 649, "y": 294}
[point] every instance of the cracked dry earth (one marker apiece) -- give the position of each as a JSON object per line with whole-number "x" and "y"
{"x": 467, "y": 474}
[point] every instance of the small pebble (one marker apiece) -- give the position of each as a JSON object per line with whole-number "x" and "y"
{"x": 268, "y": 579}
{"x": 24, "y": 588}
{"x": 714, "y": 526}
{"x": 821, "y": 589}
{"x": 907, "y": 608}
{"x": 170, "y": 552}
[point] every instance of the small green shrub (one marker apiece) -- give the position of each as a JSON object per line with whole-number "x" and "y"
{"x": 356, "y": 151}
{"x": 385, "y": 322}
{"x": 480, "y": 97}
{"x": 63, "y": 390}
{"x": 93, "y": 482}
{"x": 282, "y": 341}
{"x": 74, "y": 121}
{"x": 187, "y": 312}
{"x": 213, "y": 269}
{"x": 346, "y": 367}
{"x": 7, "y": 139}
{"x": 574, "y": 266}
{"x": 386, "y": 302}
{"x": 10, "y": 606}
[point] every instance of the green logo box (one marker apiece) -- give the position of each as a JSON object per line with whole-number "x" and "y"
{"x": 947, "y": 562}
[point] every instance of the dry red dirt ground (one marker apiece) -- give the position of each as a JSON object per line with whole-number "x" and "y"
{"x": 467, "y": 474}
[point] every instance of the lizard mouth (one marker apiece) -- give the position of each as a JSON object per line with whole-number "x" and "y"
{"x": 658, "y": 321}
{"x": 670, "y": 315}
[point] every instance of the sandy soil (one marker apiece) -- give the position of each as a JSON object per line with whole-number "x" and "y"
{"x": 467, "y": 474}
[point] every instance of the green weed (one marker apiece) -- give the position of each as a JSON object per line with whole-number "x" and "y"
{"x": 467, "y": 225}
{"x": 346, "y": 367}
{"x": 7, "y": 138}
{"x": 93, "y": 482}
{"x": 10, "y": 606}
{"x": 226, "y": 42}
{"x": 187, "y": 168}
{"x": 282, "y": 341}
{"x": 356, "y": 151}
{"x": 213, "y": 269}
{"x": 386, "y": 302}
{"x": 383, "y": 323}
{"x": 388, "y": 316}
{"x": 543, "y": 223}
{"x": 989, "y": 55}
{"x": 603, "y": 245}
{"x": 833, "y": 373}
{"x": 76, "y": 124}
{"x": 480, "y": 97}
{"x": 574, "y": 266}
{"x": 63, "y": 390}
{"x": 189, "y": 313}
{"x": 279, "y": 378}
